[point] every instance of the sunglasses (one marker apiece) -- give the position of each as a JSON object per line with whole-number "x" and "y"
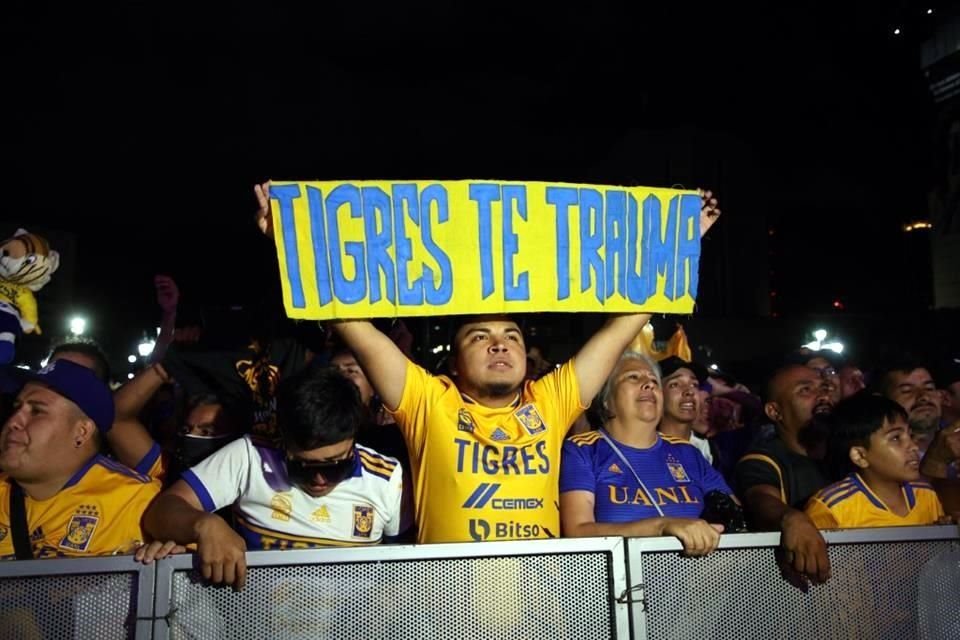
{"x": 333, "y": 471}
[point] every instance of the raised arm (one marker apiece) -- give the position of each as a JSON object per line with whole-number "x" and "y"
{"x": 382, "y": 361}
{"x": 596, "y": 359}
{"x": 128, "y": 437}
{"x": 384, "y": 364}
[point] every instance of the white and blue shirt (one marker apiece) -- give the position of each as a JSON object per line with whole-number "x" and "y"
{"x": 273, "y": 513}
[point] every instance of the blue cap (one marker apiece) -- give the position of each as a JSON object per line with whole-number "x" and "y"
{"x": 76, "y": 383}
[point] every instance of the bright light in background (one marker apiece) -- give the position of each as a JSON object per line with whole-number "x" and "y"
{"x": 131, "y": 358}
{"x": 836, "y": 347}
{"x": 23, "y": 366}
{"x": 78, "y": 325}
{"x": 896, "y": 31}
{"x": 714, "y": 367}
{"x": 438, "y": 348}
{"x": 929, "y": 12}
{"x": 145, "y": 348}
{"x": 820, "y": 343}
{"x": 44, "y": 362}
{"x": 158, "y": 330}
{"x": 129, "y": 376}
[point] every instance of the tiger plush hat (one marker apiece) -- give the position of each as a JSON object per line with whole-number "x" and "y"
{"x": 26, "y": 265}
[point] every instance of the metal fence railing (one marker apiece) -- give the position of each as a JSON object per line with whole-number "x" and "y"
{"x": 874, "y": 592}
{"x": 897, "y": 583}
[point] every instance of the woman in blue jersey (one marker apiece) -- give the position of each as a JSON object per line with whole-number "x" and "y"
{"x": 629, "y": 480}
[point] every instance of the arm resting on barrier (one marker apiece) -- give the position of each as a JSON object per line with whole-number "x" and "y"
{"x": 804, "y": 548}
{"x": 576, "y": 513}
{"x": 177, "y": 515}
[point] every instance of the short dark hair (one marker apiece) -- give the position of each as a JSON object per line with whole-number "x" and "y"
{"x": 458, "y": 322}
{"x": 852, "y": 422}
{"x": 318, "y": 407}
{"x": 903, "y": 364}
{"x": 89, "y": 348}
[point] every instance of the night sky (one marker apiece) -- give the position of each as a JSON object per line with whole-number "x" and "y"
{"x": 142, "y": 131}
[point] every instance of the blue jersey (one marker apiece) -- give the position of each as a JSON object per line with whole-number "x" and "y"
{"x": 675, "y": 474}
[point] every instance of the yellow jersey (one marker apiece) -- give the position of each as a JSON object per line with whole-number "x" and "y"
{"x": 850, "y": 504}
{"x": 485, "y": 473}
{"x": 96, "y": 513}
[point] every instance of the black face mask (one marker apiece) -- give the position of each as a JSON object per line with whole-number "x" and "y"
{"x": 302, "y": 472}
{"x": 192, "y": 449}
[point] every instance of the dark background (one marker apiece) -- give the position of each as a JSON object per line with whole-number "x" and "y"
{"x": 133, "y": 137}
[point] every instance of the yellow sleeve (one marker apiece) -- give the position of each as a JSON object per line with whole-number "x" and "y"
{"x": 125, "y": 509}
{"x": 821, "y": 514}
{"x": 27, "y": 304}
{"x": 421, "y": 391}
{"x": 559, "y": 392}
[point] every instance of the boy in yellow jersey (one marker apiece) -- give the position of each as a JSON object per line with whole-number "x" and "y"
{"x": 77, "y": 502}
{"x": 870, "y": 436}
{"x": 484, "y": 443}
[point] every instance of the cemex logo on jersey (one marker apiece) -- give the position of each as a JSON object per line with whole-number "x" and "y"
{"x": 483, "y": 494}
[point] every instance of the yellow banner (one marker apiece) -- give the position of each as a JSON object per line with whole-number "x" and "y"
{"x": 372, "y": 249}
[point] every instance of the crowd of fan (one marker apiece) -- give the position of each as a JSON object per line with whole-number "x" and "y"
{"x": 267, "y": 444}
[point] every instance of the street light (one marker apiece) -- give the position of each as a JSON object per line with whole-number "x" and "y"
{"x": 131, "y": 358}
{"x": 145, "y": 348}
{"x": 78, "y": 325}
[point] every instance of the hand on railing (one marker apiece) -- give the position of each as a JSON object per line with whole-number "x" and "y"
{"x": 803, "y": 552}
{"x": 157, "y": 550}
{"x": 698, "y": 537}
{"x": 222, "y": 552}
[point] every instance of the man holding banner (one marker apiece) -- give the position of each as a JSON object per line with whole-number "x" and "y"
{"x": 484, "y": 444}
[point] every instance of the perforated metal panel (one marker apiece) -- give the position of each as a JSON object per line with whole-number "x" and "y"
{"x": 939, "y": 590}
{"x": 73, "y": 606}
{"x": 556, "y": 596}
{"x": 739, "y": 594}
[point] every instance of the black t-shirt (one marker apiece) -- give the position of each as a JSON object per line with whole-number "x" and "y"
{"x": 771, "y": 462}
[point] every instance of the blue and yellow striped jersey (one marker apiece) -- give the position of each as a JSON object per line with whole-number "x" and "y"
{"x": 850, "y": 504}
{"x": 97, "y": 513}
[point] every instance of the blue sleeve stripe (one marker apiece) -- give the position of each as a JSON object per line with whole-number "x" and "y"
{"x": 840, "y": 497}
{"x": 203, "y": 495}
{"x": 144, "y": 465}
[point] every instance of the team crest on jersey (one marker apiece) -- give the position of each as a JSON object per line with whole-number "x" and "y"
{"x": 282, "y": 507}
{"x": 362, "y": 521}
{"x": 465, "y": 421}
{"x": 677, "y": 471}
{"x": 79, "y": 532}
{"x": 530, "y": 418}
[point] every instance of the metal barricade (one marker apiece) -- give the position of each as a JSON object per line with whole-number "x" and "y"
{"x": 875, "y": 592}
{"x": 102, "y": 598}
{"x": 530, "y": 589}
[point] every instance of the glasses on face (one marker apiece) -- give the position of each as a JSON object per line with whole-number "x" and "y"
{"x": 825, "y": 372}
{"x": 333, "y": 471}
